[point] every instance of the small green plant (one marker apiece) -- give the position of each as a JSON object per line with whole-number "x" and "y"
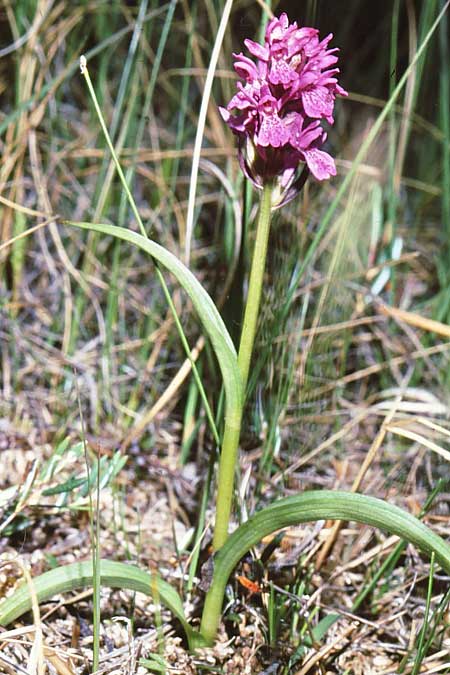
{"x": 280, "y": 106}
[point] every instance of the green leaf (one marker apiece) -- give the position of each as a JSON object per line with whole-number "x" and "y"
{"x": 209, "y": 315}
{"x": 319, "y": 631}
{"x": 51, "y": 465}
{"x": 312, "y": 506}
{"x": 68, "y": 485}
{"x": 156, "y": 664}
{"x": 80, "y": 575}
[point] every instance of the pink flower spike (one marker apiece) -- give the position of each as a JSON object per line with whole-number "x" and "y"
{"x": 287, "y": 90}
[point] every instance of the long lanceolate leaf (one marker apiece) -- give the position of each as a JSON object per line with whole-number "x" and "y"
{"x": 212, "y": 321}
{"x": 309, "y": 506}
{"x": 314, "y": 505}
{"x": 80, "y": 575}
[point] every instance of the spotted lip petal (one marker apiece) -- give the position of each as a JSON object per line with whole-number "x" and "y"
{"x": 302, "y": 137}
{"x": 273, "y": 132}
{"x": 282, "y": 73}
{"x": 320, "y": 163}
{"x": 278, "y": 109}
{"x": 318, "y": 102}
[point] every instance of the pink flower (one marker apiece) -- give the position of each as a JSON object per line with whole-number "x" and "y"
{"x": 278, "y": 110}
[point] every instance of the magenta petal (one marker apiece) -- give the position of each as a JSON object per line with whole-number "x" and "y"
{"x": 327, "y": 78}
{"x": 245, "y": 67}
{"x": 240, "y": 102}
{"x": 302, "y": 139}
{"x": 243, "y": 70}
{"x": 277, "y": 27}
{"x": 272, "y": 132}
{"x": 328, "y": 60}
{"x": 307, "y": 78}
{"x": 257, "y": 50}
{"x": 320, "y": 163}
{"x": 225, "y": 114}
{"x": 306, "y": 33}
{"x": 242, "y": 123}
{"x": 245, "y": 98}
{"x": 281, "y": 73}
{"x": 318, "y": 102}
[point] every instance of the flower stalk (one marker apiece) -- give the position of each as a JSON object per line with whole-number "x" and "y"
{"x": 230, "y": 444}
{"x": 255, "y": 285}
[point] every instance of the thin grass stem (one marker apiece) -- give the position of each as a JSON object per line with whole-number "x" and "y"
{"x": 85, "y": 73}
{"x": 201, "y": 125}
{"x": 94, "y": 527}
{"x": 420, "y": 650}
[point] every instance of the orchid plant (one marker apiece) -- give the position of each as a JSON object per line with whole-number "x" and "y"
{"x": 277, "y": 115}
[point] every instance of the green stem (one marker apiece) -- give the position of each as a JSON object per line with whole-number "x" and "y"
{"x": 255, "y": 285}
{"x": 230, "y": 443}
{"x": 227, "y": 465}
